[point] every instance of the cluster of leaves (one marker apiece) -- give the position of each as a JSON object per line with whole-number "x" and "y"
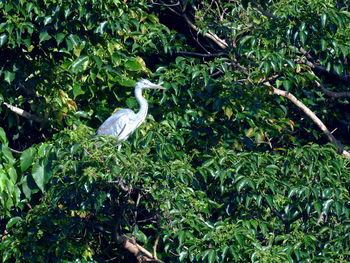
{"x": 233, "y": 207}
{"x": 221, "y": 173}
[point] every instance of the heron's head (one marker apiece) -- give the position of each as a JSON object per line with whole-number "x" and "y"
{"x": 146, "y": 84}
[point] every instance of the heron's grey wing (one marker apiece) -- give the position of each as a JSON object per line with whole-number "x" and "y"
{"x": 117, "y": 125}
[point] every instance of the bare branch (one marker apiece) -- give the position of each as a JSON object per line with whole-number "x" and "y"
{"x": 23, "y": 113}
{"x": 122, "y": 186}
{"x": 142, "y": 254}
{"x": 312, "y": 116}
{"x": 220, "y": 42}
{"x": 155, "y": 247}
{"x": 15, "y": 151}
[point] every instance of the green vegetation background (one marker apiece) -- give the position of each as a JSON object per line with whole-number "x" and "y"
{"x": 223, "y": 169}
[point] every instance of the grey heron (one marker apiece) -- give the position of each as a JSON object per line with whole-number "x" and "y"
{"x": 124, "y": 122}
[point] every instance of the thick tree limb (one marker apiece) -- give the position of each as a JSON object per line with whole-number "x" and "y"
{"x": 312, "y": 116}
{"x": 343, "y": 94}
{"x": 23, "y": 113}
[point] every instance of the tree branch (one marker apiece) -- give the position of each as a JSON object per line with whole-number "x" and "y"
{"x": 333, "y": 94}
{"x": 142, "y": 254}
{"x": 265, "y": 13}
{"x": 196, "y": 54}
{"x": 321, "y": 69}
{"x": 155, "y": 247}
{"x": 312, "y": 116}
{"x": 23, "y": 113}
{"x": 220, "y": 42}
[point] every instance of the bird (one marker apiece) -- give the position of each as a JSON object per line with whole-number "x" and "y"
{"x": 124, "y": 122}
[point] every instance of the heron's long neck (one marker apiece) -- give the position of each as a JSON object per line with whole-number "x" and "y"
{"x": 143, "y": 104}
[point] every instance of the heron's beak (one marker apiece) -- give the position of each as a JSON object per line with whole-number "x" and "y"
{"x": 157, "y": 87}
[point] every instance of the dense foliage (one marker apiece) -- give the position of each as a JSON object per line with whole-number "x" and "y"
{"x": 232, "y": 163}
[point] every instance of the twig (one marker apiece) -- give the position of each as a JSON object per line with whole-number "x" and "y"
{"x": 155, "y": 247}
{"x": 15, "y": 151}
{"x": 23, "y": 113}
{"x": 196, "y": 54}
{"x": 320, "y": 219}
{"x": 312, "y": 116}
{"x": 167, "y": 5}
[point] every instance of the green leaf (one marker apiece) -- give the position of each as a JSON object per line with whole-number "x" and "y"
{"x": 183, "y": 255}
{"x": 38, "y": 172}
{"x": 133, "y": 64}
{"x": 12, "y": 173}
{"x": 7, "y": 154}
{"x": 44, "y": 36}
{"x": 27, "y": 158}
{"x": 140, "y": 236}
{"x": 48, "y": 20}
{"x": 59, "y": 38}
{"x": 102, "y": 27}
{"x": 339, "y": 69}
{"x": 212, "y": 256}
{"x": 77, "y": 90}
{"x": 290, "y": 63}
{"x": 317, "y": 207}
{"x": 3, "y": 39}
{"x": 9, "y": 76}
{"x": 327, "y": 205}
{"x": 302, "y": 37}
{"x": 3, "y": 138}
{"x": 12, "y": 221}
{"x": 287, "y": 84}
{"x": 241, "y": 184}
{"x": 28, "y": 186}
{"x": 79, "y": 64}
{"x": 97, "y": 60}
{"x": 41, "y": 174}
{"x": 269, "y": 200}
{"x": 208, "y": 163}
{"x": 323, "y": 44}
{"x": 267, "y": 67}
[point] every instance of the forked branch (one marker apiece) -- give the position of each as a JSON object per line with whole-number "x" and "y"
{"x": 142, "y": 254}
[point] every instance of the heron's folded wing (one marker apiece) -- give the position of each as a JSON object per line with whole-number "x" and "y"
{"x": 117, "y": 125}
